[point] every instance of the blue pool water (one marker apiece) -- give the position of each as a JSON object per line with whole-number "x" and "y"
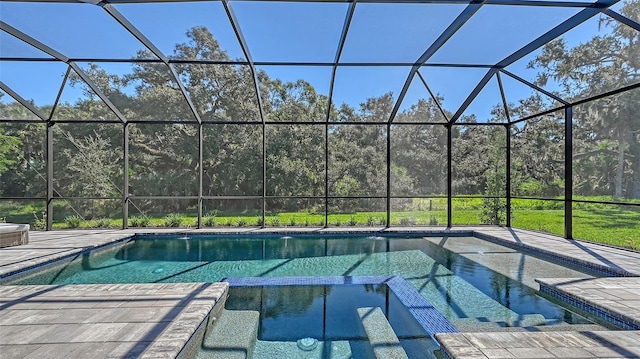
{"x": 476, "y": 284}
{"x": 331, "y": 318}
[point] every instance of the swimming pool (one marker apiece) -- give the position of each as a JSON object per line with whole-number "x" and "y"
{"x": 328, "y": 317}
{"x": 474, "y": 283}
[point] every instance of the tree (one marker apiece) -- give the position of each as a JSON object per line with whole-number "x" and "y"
{"x": 494, "y": 208}
{"x": 607, "y": 62}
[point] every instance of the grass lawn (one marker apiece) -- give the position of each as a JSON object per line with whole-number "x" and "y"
{"x": 610, "y": 224}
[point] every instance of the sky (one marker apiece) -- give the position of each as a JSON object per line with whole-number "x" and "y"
{"x": 295, "y": 32}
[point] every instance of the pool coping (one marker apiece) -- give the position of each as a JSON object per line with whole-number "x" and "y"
{"x": 601, "y": 298}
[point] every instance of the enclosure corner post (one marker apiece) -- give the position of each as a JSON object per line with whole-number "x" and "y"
{"x": 49, "y": 143}
{"x": 200, "y": 172}
{"x": 388, "y": 175}
{"x": 264, "y": 174}
{"x": 125, "y": 176}
{"x": 326, "y": 173}
{"x": 568, "y": 173}
{"x": 449, "y": 175}
{"x": 508, "y": 173}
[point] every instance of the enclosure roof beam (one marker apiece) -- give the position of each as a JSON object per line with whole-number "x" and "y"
{"x": 623, "y": 19}
{"x": 535, "y": 87}
{"x": 33, "y": 42}
{"x": 577, "y": 19}
{"x": 83, "y": 75}
{"x": 56, "y": 102}
{"x": 557, "y": 3}
{"x": 455, "y": 25}
{"x": 435, "y": 99}
{"x": 247, "y": 54}
{"x": 122, "y": 20}
{"x": 343, "y": 38}
{"x": 44, "y": 48}
{"x": 22, "y": 101}
{"x": 504, "y": 99}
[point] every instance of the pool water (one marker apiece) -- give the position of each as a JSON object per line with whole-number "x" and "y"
{"x": 476, "y": 284}
{"x": 321, "y": 321}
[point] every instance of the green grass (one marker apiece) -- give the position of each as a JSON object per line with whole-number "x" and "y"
{"x": 610, "y": 224}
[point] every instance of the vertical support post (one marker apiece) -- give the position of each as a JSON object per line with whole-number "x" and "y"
{"x": 568, "y": 173}
{"x": 49, "y": 143}
{"x": 449, "y": 175}
{"x": 264, "y": 174}
{"x": 508, "y": 174}
{"x": 388, "y": 175}
{"x": 125, "y": 176}
{"x": 200, "y": 171}
{"x": 326, "y": 174}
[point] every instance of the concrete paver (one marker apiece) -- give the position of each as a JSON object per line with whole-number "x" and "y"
{"x": 567, "y": 345}
{"x": 171, "y": 316}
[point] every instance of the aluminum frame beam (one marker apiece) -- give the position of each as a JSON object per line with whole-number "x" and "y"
{"x": 247, "y": 54}
{"x": 534, "y": 86}
{"x": 435, "y": 99}
{"x": 505, "y": 104}
{"x": 623, "y": 19}
{"x": 577, "y": 19}
{"x": 343, "y": 38}
{"x": 60, "y": 57}
{"x": 33, "y": 42}
{"x": 124, "y": 22}
{"x": 557, "y": 3}
{"x": 97, "y": 91}
{"x": 568, "y": 173}
{"x": 245, "y": 50}
{"x": 22, "y": 101}
{"x": 455, "y": 25}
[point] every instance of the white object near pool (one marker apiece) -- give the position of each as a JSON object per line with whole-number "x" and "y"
{"x": 12, "y": 234}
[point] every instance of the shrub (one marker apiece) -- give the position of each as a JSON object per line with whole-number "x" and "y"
{"x": 321, "y": 222}
{"x": 494, "y": 211}
{"x": 241, "y": 221}
{"x": 173, "y": 220}
{"x": 210, "y": 221}
{"x": 337, "y": 222}
{"x": 138, "y": 221}
{"x": 213, "y": 213}
{"x": 73, "y": 221}
{"x": 306, "y": 222}
{"x": 371, "y": 221}
{"x": 40, "y": 222}
{"x": 352, "y": 221}
{"x": 274, "y": 221}
{"x": 292, "y": 222}
{"x": 103, "y": 223}
{"x": 259, "y": 221}
{"x": 228, "y": 222}
{"x": 433, "y": 221}
{"x": 407, "y": 221}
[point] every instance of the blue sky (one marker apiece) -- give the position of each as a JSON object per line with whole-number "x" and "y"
{"x": 303, "y": 32}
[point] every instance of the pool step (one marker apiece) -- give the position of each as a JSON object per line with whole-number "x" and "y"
{"x": 383, "y": 339}
{"x": 232, "y": 335}
{"x": 284, "y": 350}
